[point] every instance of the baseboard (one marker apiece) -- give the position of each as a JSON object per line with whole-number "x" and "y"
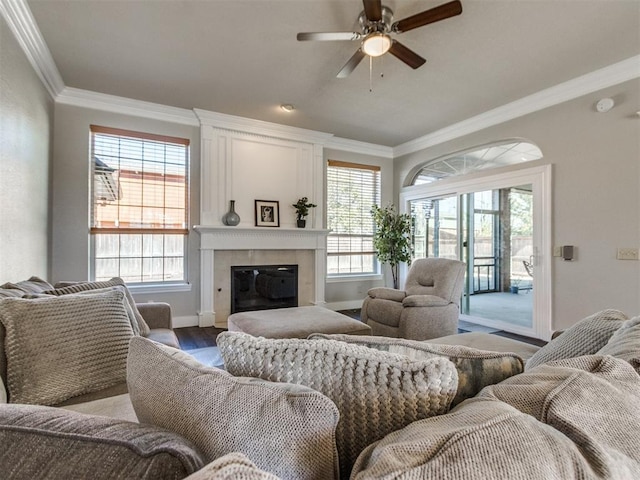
{"x": 189, "y": 321}
{"x": 347, "y": 305}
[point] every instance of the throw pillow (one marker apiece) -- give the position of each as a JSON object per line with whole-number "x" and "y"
{"x": 33, "y": 285}
{"x": 50, "y": 444}
{"x": 233, "y": 466}
{"x": 143, "y": 328}
{"x": 625, "y": 343}
{"x": 135, "y": 326}
{"x": 476, "y": 368}
{"x": 284, "y": 429}
{"x": 584, "y": 338}
{"x": 573, "y": 418}
{"x": 375, "y": 392}
{"x": 10, "y": 292}
{"x": 61, "y": 347}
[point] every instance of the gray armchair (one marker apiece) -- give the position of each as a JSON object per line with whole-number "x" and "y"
{"x": 427, "y": 308}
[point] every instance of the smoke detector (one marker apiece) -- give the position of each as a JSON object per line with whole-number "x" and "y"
{"x": 604, "y": 105}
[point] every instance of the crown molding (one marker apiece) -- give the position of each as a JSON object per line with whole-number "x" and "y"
{"x": 591, "y": 82}
{"x": 269, "y": 129}
{"x": 127, "y": 106}
{"x": 260, "y": 127}
{"x": 26, "y": 31}
{"x": 355, "y": 146}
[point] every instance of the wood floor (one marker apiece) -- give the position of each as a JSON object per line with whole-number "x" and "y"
{"x": 197, "y": 337}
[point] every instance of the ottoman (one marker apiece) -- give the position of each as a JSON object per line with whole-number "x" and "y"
{"x": 297, "y": 322}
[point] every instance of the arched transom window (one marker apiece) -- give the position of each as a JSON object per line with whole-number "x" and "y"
{"x": 485, "y": 158}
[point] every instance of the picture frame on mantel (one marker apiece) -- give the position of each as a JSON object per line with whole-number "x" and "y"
{"x": 267, "y": 213}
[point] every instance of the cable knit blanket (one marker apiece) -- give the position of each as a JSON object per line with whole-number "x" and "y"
{"x": 376, "y": 392}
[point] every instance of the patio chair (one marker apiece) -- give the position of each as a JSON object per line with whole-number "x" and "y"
{"x": 528, "y": 266}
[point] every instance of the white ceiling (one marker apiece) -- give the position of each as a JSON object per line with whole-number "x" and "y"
{"x": 241, "y": 57}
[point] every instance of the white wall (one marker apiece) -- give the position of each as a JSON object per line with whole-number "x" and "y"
{"x": 596, "y": 195}
{"x": 26, "y": 114}
{"x": 70, "y": 199}
{"x": 245, "y": 166}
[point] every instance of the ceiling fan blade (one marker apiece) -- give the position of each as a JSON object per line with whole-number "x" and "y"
{"x": 351, "y": 65}
{"x": 328, "y": 36}
{"x": 373, "y": 10}
{"x": 409, "y": 57}
{"x": 432, "y": 15}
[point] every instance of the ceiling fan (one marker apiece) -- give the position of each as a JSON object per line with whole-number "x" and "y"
{"x": 377, "y": 26}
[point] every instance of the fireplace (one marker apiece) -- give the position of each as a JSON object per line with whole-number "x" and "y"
{"x": 262, "y": 287}
{"x": 223, "y": 247}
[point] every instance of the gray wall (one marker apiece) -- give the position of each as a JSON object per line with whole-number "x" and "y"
{"x": 26, "y": 113}
{"x": 70, "y": 200}
{"x": 596, "y": 195}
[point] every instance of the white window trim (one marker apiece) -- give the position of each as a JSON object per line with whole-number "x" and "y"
{"x": 354, "y": 278}
{"x": 144, "y": 288}
{"x": 540, "y": 177}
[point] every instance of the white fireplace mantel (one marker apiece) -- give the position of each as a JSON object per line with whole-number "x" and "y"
{"x": 218, "y": 237}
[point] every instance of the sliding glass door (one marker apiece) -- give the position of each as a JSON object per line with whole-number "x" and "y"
{"x": 491, "y": 226}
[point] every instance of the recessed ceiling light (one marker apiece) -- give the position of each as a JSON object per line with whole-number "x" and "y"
{"x": 287, "y": 107}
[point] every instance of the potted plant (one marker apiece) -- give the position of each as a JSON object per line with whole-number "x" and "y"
{"x": 302, "y": 207}
{"x": 392, "y": 238}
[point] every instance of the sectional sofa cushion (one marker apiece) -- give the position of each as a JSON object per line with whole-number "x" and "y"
{"x": 233, "y": 466}
{"x": 50, "y": 444}
{"x": 143, "y": 328}
{"x": 573, "y": 418}
{"x": 3, "y": 392}
{"x": 583, "y": 338}
{"x": 375, "y": 392}
{"x": 287, "y": 430}
{"x": 476, "y": 368}
{"x": 60, "y": 347}
{"x": 625, "y": 343}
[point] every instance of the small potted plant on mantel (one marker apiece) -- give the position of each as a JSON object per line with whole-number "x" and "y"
{"x": 302, "y": 207}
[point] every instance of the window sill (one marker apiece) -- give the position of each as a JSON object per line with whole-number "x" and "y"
{"x": 354, "y": 278}
{"x": 159, "y": 287}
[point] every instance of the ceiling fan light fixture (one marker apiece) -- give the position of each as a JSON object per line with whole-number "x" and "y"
{"x": 287, "y": 107}
{"x": 376, "y": 44}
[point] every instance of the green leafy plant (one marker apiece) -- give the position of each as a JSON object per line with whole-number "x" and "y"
{"x": 392, "y": 238}
{"x": 302, "y": 207}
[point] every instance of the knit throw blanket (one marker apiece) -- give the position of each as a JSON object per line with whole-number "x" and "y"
{"x": 376, "y": 392}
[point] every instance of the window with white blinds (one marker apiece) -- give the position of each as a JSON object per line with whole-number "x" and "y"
{"x": 352, "y": 189}
{"x": 139, "y": 206}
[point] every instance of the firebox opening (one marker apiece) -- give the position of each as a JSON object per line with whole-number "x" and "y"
{"x": 262, "y": 287}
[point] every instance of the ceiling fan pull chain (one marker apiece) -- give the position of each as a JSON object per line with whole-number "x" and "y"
{"x": 371, "y": 74}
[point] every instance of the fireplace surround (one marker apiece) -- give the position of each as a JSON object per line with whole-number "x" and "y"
{"x": 223, "y": 247}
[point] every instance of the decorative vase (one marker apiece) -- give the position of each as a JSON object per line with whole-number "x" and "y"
{"x": 231, "y": 218}
{"x": 301, "y": 223}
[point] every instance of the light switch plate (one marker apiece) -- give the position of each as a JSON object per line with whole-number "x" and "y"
{"x": 627, "y": 254}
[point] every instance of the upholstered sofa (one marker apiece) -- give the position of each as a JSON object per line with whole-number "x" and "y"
{"x": 340, "y": 406}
